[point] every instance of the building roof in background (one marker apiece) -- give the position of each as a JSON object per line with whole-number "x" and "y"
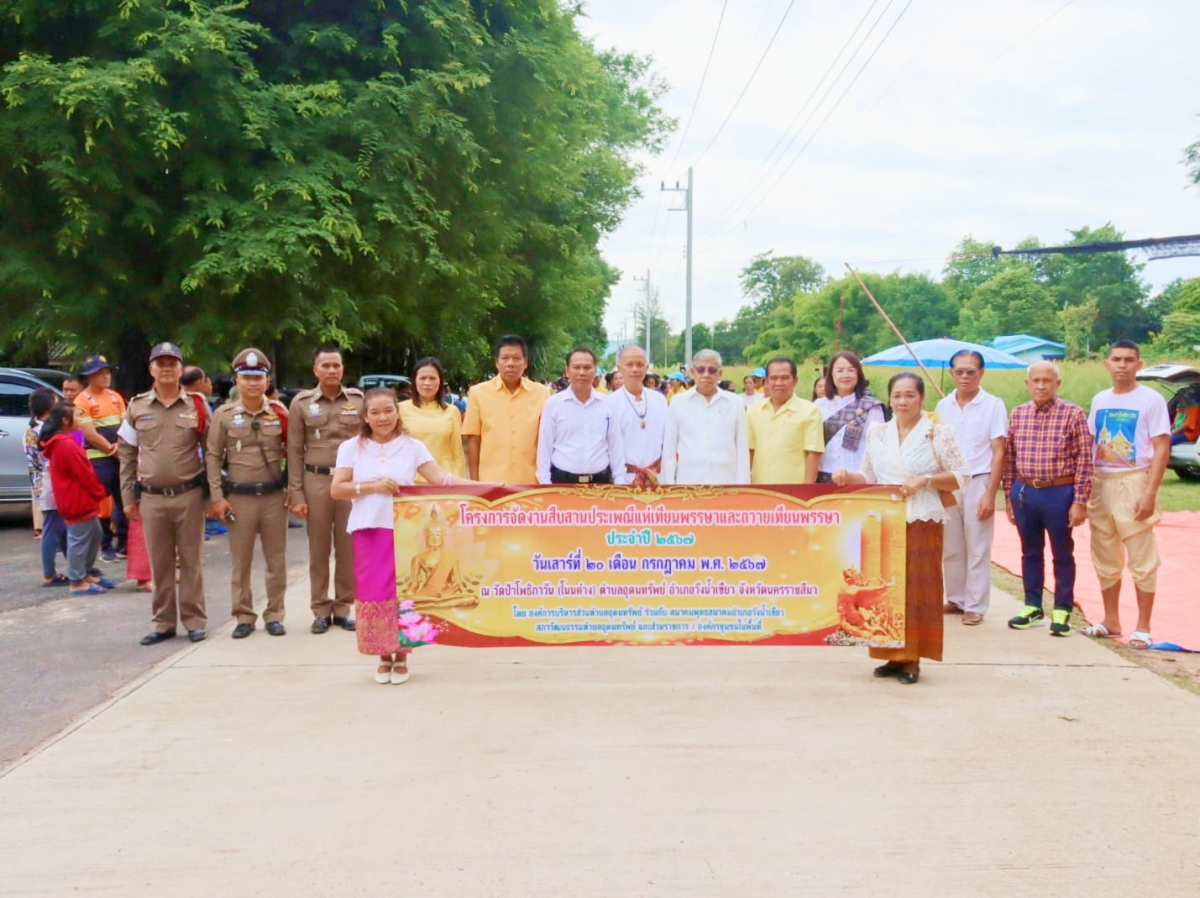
{"x": 1023, "y": 343}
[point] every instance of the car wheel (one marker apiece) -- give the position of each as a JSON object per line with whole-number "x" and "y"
{"x": 1189, "y": 474}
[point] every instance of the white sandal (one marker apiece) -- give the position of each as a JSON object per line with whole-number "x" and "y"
{"x": 1099, "y": 631}
{"x": 1142, "y": 637}
{"x": 400, "y": 672}
{"x": 384, "y": 676}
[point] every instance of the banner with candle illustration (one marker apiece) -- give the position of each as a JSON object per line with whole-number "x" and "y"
{"x": 615, "y": 565}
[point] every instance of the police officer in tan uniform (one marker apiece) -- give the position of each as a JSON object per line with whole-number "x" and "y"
{"x": 320, "y": 420}
{"x": 247, "y": 446}
{"x": 162, "y": 484}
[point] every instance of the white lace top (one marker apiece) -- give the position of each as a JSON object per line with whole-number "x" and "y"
{"x": 928, "y": 449}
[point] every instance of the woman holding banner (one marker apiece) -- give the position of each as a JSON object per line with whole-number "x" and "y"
{"x": 924, "y": 460}
{"x": 849, "y": 412}
{"x": 371, "y": 469}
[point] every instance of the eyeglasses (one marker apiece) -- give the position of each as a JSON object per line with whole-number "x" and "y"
{"x": 964, "y": 372}
{"x": 705, "y": 369}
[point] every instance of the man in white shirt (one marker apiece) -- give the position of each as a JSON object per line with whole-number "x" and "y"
{"x": 1132, "y": 433}
{"x": 705, "y": 441}
{"x": 578, "y": 440}
{"x": 981, "y": 424}
{"x": 641, "y": 414}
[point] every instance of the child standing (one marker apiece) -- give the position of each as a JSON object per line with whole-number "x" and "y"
{"x": 46, "y": 520}
{"x": 77, "y": 493}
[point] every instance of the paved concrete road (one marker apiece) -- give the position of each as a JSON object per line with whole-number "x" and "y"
{"x": 62, "y": 655}
{"x": 1025, "y": 765}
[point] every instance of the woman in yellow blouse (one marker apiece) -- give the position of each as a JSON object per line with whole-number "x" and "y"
{"x": 429, "y": 418}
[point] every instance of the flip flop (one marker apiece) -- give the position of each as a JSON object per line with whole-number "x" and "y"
{"x": 1142, "y": 637}
{"x": 106, "y": 583}
{"x": 92, "y": 590}
{"x": 1099, "y": 631}
{"x": 59, "y": 580}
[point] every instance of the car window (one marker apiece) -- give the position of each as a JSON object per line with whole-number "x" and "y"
{"x": 14, "y": 400}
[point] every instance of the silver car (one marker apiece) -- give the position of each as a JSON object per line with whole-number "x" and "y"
{"x": 15, "y": 387}
{"x": 1181, "y": 383}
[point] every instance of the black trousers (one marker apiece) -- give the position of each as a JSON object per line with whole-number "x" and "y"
{"x": 558, "y": 475}
{"x": 108, "y": 472}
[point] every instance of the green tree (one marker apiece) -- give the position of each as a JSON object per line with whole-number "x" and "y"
{"x": 1078, "y": 324}
{"x": 417, "y": 176}
{"x": 769, "y": 281}
{"x": 1012, "y": 302}
{"x": 1111, "y": 278}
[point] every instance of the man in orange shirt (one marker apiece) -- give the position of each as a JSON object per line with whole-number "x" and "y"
{"x": 103, "y": 411}
{"x": 503, "y": 414}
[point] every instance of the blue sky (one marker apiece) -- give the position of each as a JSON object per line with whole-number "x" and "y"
{"x": 996, "y": 120}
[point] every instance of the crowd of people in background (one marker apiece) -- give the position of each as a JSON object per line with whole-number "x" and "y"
{"x": 140, "y": 481}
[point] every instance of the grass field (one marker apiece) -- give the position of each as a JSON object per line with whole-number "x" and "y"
{"x": 1081, "y": 381}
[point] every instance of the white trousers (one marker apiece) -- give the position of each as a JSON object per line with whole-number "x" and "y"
{"x": 967, "y": 550}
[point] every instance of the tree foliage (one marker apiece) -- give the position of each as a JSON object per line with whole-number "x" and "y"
{"x": 416, "y": 176}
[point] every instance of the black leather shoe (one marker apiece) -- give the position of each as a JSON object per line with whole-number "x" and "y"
{"x": 907, "y": 678}
{"x": 197, "y": 635}
{"x": 241, "y": 631}
{"x": 155, "y": 638}
{"x": 320, "y": 625}
{"x": 276, "y": 628}
{"x": 346, "y": 623}
{"x": 888, "y": 670}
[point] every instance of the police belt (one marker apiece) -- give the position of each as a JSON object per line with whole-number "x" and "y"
{"x": 318, "y": 469}
{"x": 197, "y": 481}
{"x": 257, "y": 489}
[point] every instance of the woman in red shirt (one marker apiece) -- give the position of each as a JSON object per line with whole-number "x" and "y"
{"x": 77, "y": 492}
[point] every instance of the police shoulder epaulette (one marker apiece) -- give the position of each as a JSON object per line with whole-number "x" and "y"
{"x": 303, "y": 394}
{"x": 145, "y": 395}
{"x": 353, "y": 391}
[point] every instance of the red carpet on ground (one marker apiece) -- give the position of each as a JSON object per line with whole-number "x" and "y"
{"x": 1176, "y": 611}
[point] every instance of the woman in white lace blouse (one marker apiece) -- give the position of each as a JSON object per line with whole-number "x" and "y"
{"x": 925, "y": 461}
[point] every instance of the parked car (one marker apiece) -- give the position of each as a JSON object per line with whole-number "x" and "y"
{"x": 398, "y": 382}
{"x": 15, "y": 387}
{"x": 1175, "y": 380}
{"x": 52, "y": 376}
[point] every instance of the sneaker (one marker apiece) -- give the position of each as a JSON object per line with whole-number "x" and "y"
{"x": 108, "y": 556}
{"x": 122, "y": 554}
{"x": 1058, "y": 623}
{"x": 1030, "y": 616}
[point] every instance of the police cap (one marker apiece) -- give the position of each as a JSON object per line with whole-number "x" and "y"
{"x": 251, "y": 361}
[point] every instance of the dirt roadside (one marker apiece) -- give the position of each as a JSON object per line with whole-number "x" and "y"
{"x": 1180, "y": 668}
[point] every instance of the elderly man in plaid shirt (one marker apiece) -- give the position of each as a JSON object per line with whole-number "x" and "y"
{"x": 1047, "y": 479}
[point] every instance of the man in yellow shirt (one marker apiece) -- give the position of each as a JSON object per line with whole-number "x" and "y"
{"x": 785, "y": 433}
{"x": 503, "y": 414}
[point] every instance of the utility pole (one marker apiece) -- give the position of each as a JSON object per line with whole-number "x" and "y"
{"x": 687, "y": 207}
{"x": 649, "y": 312}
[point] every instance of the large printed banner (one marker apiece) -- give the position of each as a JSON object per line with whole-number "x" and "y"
{"x": 615, "y": 565}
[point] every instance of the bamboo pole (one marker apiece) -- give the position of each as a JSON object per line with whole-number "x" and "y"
{"x": 895, "y": 330}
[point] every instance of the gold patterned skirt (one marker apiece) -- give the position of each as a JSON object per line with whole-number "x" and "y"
{"x": 923, "y": 600}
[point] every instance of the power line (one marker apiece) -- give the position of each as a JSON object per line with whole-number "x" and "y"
{"x": 831, "y": 111}
{"x": 749, "y": 81}
{"x": 755, "y": 180}
{"x": 959, "y": 84}
{"x": 688, "y": 124}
